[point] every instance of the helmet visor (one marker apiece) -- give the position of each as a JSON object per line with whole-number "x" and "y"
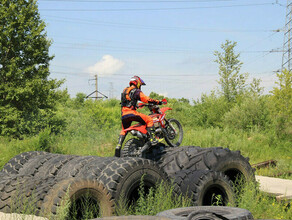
{"x": 142, "y": 82}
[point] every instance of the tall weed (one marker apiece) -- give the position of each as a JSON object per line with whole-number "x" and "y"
{"x": 262, "y": 205}
{"x": 157, "y": 199}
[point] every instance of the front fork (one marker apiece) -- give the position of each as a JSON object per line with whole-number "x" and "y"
{"x": 172, "y": 128}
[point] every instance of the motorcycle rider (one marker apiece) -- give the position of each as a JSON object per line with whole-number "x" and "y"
{"x": 129, "y": 98}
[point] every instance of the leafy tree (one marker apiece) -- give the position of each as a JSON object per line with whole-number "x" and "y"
{"x": 282, "y": 100}
{"x": 210, "y": 110}
{"x": 255, "y": 87}
{"x": 231, "y": 81}
{"x": 184, "y": 100}
{"x": 79, "y": 100}
{"x": 27, "y": 95}
{"x": 252, "y": 112}
{"x": 155, "y": 95}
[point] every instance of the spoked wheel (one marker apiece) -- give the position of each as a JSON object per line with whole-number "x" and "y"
{"x": 132, "y": 148}
{"x": 174, "y": 132}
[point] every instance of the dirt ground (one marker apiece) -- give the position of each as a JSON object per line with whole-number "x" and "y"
{"x": 4, "y": 216}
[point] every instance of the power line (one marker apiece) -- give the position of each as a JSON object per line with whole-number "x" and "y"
{"x": 146, "y": 50}
{"x": 157, "y": 9}
{"x": 148, "y": 27}
{"x": 129, "y": 75}
{"x": 126, "y": 1}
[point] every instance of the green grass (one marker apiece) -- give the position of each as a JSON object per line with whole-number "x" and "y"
{"x": 262, "y": 205}
{"x": 256, "y": 146}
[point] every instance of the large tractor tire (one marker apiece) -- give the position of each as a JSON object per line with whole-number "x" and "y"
{"x": 16, "y": 163}
{"x": 180, "y": 158}
{"x": 22, "y": 194}
{"x": 204, "y": 187}
{"x": 82, "y": 195}
{"x": 4, "y": 176}
{"x": 45, "y": 165}
{"x": 231, "y": 163}
{"x": 65, "y": 166}
{"x": 133, "y": 217}
{"x": 84, "y": 167}
{"x": 94, "y": 168}
{"x": 123, "y": 178}
{"x": 207, "y": 212}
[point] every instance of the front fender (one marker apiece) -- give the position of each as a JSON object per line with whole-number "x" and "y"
{"x": 164, "y": 109}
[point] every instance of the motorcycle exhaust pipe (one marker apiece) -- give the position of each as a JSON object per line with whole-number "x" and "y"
{"x": 137, "y": 134}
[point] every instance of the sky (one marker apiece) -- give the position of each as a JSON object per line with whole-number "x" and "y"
{"x": 170, "y": 44}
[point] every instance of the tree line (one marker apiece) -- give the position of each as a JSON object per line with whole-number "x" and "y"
{"x": 29, "y": 97}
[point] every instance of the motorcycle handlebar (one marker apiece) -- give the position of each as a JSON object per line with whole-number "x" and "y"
{"x": 162, "y": 102}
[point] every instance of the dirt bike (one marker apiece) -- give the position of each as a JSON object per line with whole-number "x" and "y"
{"x": 169, "y": 130}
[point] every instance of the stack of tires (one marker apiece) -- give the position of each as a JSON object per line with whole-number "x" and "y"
{"x": 207, "y": 175}
{"x": 41, "y": 183}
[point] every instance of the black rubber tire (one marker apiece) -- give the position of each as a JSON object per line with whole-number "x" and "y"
{"x": 131, "y": 148}
{"x": 207, "y": 212}
{"x": 133, "y": 217}
{"x": 179, "y": 141}
{"x": 231, "y": 163}
{"x": 65, "y": 166}
{"x": 154, "y": 153}
{"x": 37, "y": 166}
{"x": 95, "y": 167}
{"x": 16, "y": 163}
{"x": 51, "y": 167}
{"x": 123, "y": 176}
{"x": 204, "y": 187}
{"x": 20, "y": 194}
{"x": 73, "y": 167}
{"x": 4, "y": 176}
{"x": 181, "y": 158}
{"x": 76, "y": 189}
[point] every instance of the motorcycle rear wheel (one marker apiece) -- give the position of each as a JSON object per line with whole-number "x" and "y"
{"x": 132, "y": 147}
{"x": 174, "y": 132}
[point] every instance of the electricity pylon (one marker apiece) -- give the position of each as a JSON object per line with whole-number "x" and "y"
{"x": 287, "y": 50}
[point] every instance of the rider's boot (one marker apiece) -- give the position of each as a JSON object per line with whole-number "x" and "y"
{"x": 153, "y": 140}
{"x": 119, "y": 146}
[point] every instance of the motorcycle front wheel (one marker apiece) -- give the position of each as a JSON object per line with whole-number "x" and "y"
{"x": 174, "y": 132}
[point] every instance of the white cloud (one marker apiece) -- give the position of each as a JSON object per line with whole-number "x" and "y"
{"x": 165, "y": 94}
{"x": 108, "y": 65}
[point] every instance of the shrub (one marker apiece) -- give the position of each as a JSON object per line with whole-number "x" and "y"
{"x": 210, "y": 110}
{"x": 251, "y": 113}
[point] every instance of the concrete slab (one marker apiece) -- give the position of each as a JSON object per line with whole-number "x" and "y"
{"x": 14, "y": 216}
{"x": 280, "y": 188}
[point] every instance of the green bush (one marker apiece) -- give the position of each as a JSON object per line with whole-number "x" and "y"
{"x": 210, "y": 110}
{"x": 251, "y": 113}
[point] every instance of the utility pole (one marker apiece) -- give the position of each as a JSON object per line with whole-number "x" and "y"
{"x": 287, "y": 50}
{"x": 96, "y": 90}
